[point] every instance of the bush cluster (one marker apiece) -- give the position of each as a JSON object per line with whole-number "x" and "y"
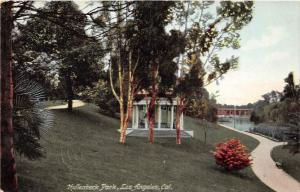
{"x": 232, "y": 155}
{"x": 274, "y": 130}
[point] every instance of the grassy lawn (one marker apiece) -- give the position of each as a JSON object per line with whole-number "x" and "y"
{"x": 290, "y": 162}
{"x": 82, "y": 148}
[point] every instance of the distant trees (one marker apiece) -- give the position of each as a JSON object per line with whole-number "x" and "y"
{"x": 276, "y": 106}
{"x": 282, "y": 108}
{"x": 202, "y": 106}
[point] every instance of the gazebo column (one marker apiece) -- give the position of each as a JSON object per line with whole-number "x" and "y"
{"x": 172, "y": 117}
{"x": 159, "y": 117}
{"x": 137, "y": 116}
{"x": 181, "y": 121}
{"x": 146, "y": 120}
{"x": 168, "y": 116}
{"x": 133, "y": 119}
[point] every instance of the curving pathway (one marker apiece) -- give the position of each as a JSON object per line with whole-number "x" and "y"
{"x": 76, "y": 103}
{"x": 264, "y": 167}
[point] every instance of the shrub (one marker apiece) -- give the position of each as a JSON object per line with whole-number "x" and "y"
{"x": 232, "y": 155}
{"x": 274, "y": 130}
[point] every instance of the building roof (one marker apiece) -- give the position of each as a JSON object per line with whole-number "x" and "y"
{"x": 159, "y": 101}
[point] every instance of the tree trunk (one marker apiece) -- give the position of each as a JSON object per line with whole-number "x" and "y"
{"x": 8, "y": 164}
{"x": 151, "y": 106}
{"x": 122, "y": 104}
{"x": 123, "y": 132}
{"x": 126, "y": 121}
{"x": 129, "y": 110}
{"x": 69, "y": 90}
{"x": 180, "y": 108}
{"x": 130, "y": 97}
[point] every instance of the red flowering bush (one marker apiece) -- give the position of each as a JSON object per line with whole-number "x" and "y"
{"x": 232, "y": 155}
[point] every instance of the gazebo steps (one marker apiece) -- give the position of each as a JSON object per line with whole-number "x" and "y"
{"x": 158, "y": 133}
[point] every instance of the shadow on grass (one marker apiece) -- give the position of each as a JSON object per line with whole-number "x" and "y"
{"x": 189, "y": 145}
{"x": 28, "y": 181}
{"x": 30, "y": 185}
{"x": 91, "y": 115}
{"x": 242, "y": 174}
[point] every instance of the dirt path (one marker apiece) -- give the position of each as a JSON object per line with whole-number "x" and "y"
{"x": 76, "y": 103}
{"x": 265, "y": 169}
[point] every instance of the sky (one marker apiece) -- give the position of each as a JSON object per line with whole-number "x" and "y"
{"x": 270, "y": 49}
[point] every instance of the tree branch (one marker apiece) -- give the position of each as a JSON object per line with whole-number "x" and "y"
{"x": 22, "y": 8}
{"x": 112, "y": 85}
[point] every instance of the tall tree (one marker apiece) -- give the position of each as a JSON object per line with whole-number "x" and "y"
{"x": 75, "y": 55}
{"x": 291, "y": 97}
{"x": 207, "y": 36}
{"x": 142, "y": 58}
{"x": 9, "y": 180}
{"x": 123, "y": 64}
{"x": 158, "y": 49}
{"x": 13, "y": 12}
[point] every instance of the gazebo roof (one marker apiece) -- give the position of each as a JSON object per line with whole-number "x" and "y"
{"x": 159, "y": 101}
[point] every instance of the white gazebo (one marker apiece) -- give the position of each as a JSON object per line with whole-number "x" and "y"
{"x": 165, "y": 118}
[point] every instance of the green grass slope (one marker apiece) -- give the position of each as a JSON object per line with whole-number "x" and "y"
{"x": 290, "y": 162}
{"x": 82, "y": 148}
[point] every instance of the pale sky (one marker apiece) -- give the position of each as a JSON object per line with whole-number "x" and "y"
{"x": 270, "y": 49}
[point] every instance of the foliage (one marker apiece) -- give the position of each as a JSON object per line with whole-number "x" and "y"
{"x": 60, "y": 57}
{"x": 142, "y": 56}
{"x": 155, "y": 45}
{"x": 139, "y": 28}
{"x": 293, "y": 134}
{"x": 158, "y": 50}
{"x": 291, "y": 95}
{"x": 105, "y": 100}
{"x": 272, "y": 110}
{"x": 232, "y": 155}
{"x": 291, "y": 90}
{"x": 276, "y": 106}
{"x": 202, "y": 106}
{"x": 209, "y": 34}
{"x": 273, "y": 130}
{"x": 30, "y": 117}
{"x": 281, "y": 110}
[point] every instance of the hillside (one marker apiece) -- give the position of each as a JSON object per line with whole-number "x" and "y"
{"x": 82, "y": 148}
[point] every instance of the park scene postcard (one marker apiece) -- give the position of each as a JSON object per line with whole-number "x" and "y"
{"x": 150, "y": 96}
